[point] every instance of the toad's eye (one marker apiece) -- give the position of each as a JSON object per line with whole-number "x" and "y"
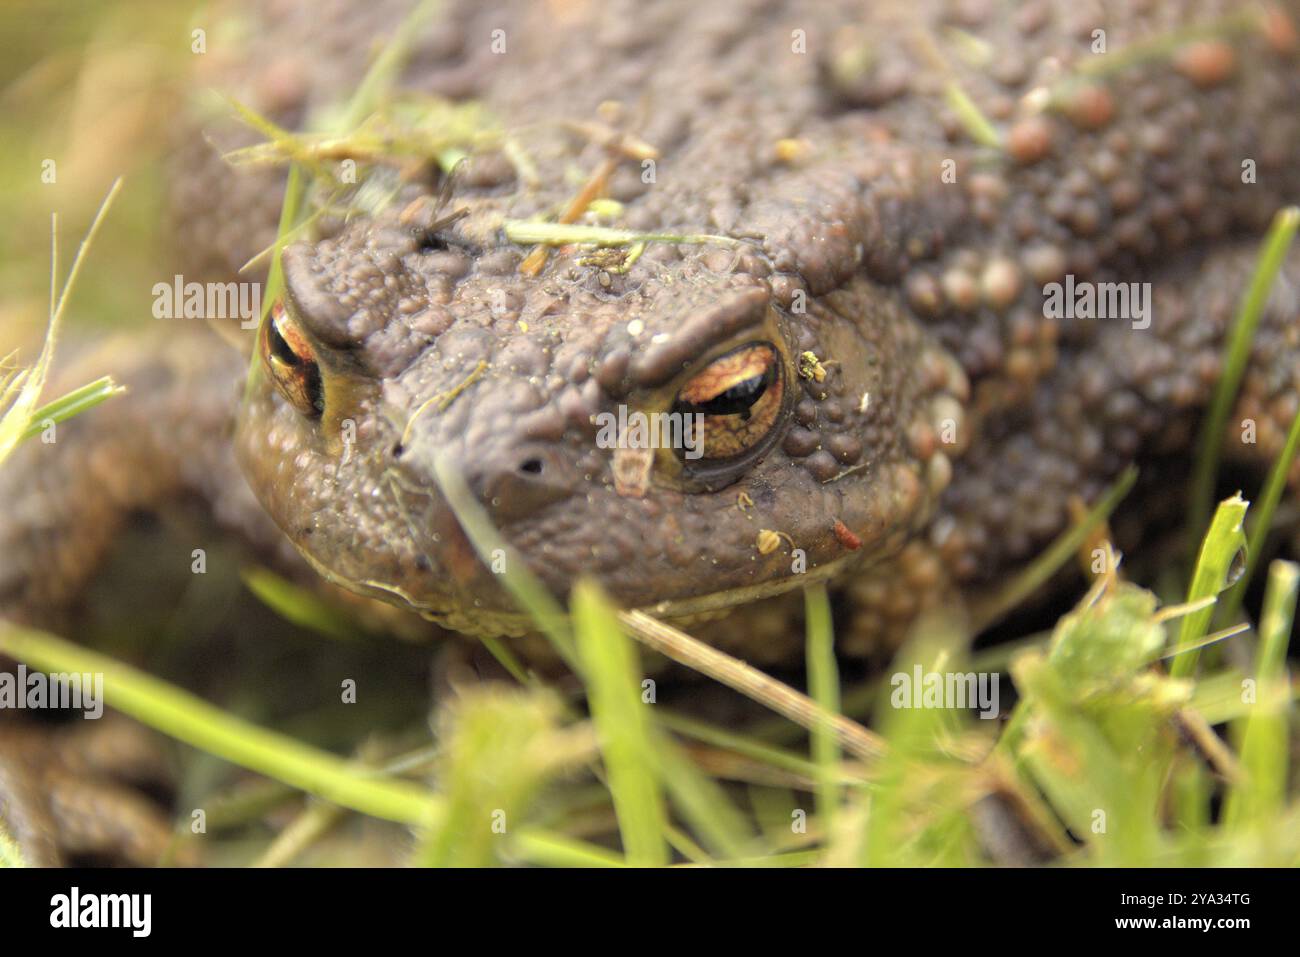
{"x": 739, "y": 396}
{"x": 291, "y": 362}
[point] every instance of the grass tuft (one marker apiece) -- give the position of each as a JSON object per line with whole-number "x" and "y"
{"x": 20, "y": 389}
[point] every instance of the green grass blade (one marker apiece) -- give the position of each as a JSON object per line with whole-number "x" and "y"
{"x": 1240, "y": 341}
{"x": 1263, "y": 739}
{"x": 746, "y": 745}
{"x": 824, "y": 688}
{"x": 295, "y": 194}
{"x": 555, "y": 850}
{"x": 1261, "y": 519}
{"x": 528, "y": 232}
{"x": 702, "y": 802}
{"x": 1220, "y": 549}
{"x": 187, "y": 718}
{"x": 623, "y": 726}
{"x": 971, "y": 117}
{"x": 23, "y": 391}
{"x": 531, "y": 594}
{"x": 73, "y": 403}
{"x": 296, "y": 605}
{"x": 1054, "y": 557}
{"x": 379, "y": 79}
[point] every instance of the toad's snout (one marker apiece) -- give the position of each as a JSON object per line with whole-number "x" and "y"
{"x": 520, "y": 481}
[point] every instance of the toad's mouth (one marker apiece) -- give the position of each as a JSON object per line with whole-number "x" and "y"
{"x": 465, "y": 586}
{"x": 744, "y": 594}
{"x": 481, "y": 618}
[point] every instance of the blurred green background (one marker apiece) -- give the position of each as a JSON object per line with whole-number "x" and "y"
{"x": 94, "y": 87}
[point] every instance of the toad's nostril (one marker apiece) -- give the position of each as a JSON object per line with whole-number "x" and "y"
{"x": 526, "y": 481}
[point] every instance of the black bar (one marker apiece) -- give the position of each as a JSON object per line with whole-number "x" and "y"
{"x": 331, "y": 907}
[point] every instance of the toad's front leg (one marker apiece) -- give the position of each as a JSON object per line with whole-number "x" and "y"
{"x": 68, "y": 792}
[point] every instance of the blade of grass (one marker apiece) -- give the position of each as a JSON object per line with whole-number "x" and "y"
{"x": 305, "y": 830}
{"x": 187, "y": 718}
{"x": 683, "y": 845}
{"x": 72, "y": 403}
{"x": 528, "y": 233}
{"x": 366, "y": 97}
{"x": 555, "y": 850}
{"x": 971, "y": 117}
{"x": 383, "y": 72}
{"x": 988, "y": 611}
{"x": 623, "y": 726}
{"x": 750, "y": 682}
{"x": 697, "y": 798}
{"x": 1223, "y": 542}
{"x": 1261, "y": 793}
{"x": 23, "y": 391}
{"x": 824, "y": 687}
{"x": 1208, "y": 640}
{"x": 295, "y": 192}
{"x": 749, "y": 746}
{"x": 1261, "y": 519}
{"x": 507, "y": 659}
{"x": 296, "y": 605}
{"x": 531, "y": 594}
{"x": 1165, "y": 43}
{"x": 1238, "y": 347}
{"x": 703, "y": 804}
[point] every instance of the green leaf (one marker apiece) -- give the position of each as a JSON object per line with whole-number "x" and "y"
{"x": 622, "y": 724}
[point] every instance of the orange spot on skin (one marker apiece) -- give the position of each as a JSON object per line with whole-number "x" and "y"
{"x": 1280, "y": 30}
{"x": 1092, "y": 107}
{"x": 1207, "y": 63}
{"x": 845, "y": 537}
{"x": 1030, "y": 140}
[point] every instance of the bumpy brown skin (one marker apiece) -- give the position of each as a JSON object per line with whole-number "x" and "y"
{"x": 921, "y": 257}
{"x": 953, "y": 421}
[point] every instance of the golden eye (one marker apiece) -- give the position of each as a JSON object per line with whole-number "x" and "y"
{"x": 739, "y": 396}
{"x": 290, "y": 360}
